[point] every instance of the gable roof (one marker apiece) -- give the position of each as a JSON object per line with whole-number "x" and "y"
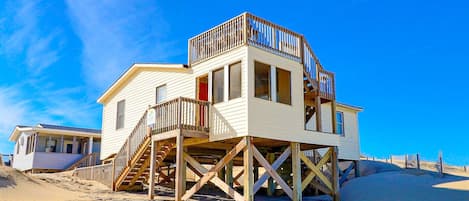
{"x": 55, "y": 129}
{"x": 134, "y": 69}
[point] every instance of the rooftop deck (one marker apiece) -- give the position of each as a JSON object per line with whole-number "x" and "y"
{"x": 247, "y": 29}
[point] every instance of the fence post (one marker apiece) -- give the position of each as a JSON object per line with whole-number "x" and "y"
{"x": 418, "y": 161}
{"x": 92, "y": 173}
{"x": 405, "y": 161}
{"x": 440, "y": 161}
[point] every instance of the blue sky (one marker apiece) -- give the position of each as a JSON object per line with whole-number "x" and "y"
{"x": 405, "y": 62}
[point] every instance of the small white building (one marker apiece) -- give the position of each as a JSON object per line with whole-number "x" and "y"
{"x": 51, "y": 148}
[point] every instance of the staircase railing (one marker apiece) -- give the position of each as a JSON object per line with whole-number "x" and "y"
{"x": 88, "y": 160}
{"x": 131, "y": 145}
{"x": 326, "y": 84}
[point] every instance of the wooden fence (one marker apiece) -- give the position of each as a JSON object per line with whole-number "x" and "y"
{"x": 413, "y": 161}
{"x": 99, "y": 173}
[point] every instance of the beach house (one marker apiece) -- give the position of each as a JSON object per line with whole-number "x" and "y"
{"x": 253, "y": 94}
{"x": 52, "y": 148}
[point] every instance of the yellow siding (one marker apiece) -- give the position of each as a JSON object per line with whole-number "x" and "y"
{"x": 139, "y": 92}
{"x": 229, "y": 118}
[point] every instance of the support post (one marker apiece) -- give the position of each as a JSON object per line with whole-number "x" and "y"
{"x": 296, "y": 170}
{"x": 90, "y": 145}
{"x": 180, "y": 170}
{"x": 334, "y": 116}
{"x": 256, "y": 173}
{"x": 74, "y": 145}
{"x": 151, "y": 184}
{"x": 335, "y": 174}
{"x": 184, "y": 178}
{"x": 229, "y": 172}
{"x": 113, "y": 175}
{"x": 418, "y": 161}
{"x": 270, "y": 182}
{"x": 357, "y": 168}
{"x": 221, "y": 173}
{"x": 248, "y": 171}
{"x": 318, "y": 114}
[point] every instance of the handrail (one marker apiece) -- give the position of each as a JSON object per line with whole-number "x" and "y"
{"x": 88, "y": 160}
{"x": 326, "y": 84}
{"x": 130, "y": 146}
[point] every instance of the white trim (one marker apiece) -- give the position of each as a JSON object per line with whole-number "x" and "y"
{"x": 226, "y": 83}
{"x": 273, "y": 83}
{"x": 210, "y": 87}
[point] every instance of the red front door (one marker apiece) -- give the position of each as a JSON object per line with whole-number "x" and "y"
{"x": 202, "y": 94}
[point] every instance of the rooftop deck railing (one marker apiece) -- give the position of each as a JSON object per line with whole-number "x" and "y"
{"x": 247, "y": 29}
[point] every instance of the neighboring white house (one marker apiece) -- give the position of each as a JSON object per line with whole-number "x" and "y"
{"x": 49, "y": 148}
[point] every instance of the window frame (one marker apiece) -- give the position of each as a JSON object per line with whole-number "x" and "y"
{"x": 277, "y": 69}
{"x": 166, "y": 93}
{"x": 222, "y": 69}
{"x": 123, "y": 114}
{"x": 341, "y": 124}
{"x": 230, "y": 97}
{"x": 269, "y": 80}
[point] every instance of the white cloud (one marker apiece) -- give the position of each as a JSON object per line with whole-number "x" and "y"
{"x": 24, "y": 35}
{"x": 115, "y": 35}
{"x": 12, "y": 109}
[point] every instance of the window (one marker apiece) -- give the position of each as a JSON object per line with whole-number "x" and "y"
{"x": 120, "y": 114}
{"x": 340, "y": 123}
{"x": 160, "y": 94}
{"x": 262, "y": 80}
{"x": 218, "y": 85}
{"x": 283, "y": 86}
{"x": 235, "y": 81}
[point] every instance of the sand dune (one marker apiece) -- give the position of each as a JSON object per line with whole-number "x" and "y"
{"x": 388, "y": 183}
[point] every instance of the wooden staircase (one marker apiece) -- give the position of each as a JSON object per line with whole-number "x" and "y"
{"x": 131, "y": 165}
{"x": 138, "y": 172}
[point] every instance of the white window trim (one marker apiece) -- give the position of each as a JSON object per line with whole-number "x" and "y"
{"x": 226, "y": 83}
{"x": 273, "y": 84}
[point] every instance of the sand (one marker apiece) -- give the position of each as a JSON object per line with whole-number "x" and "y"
{"x": 379, "y": 182}
{"x": 383, "y": 182}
